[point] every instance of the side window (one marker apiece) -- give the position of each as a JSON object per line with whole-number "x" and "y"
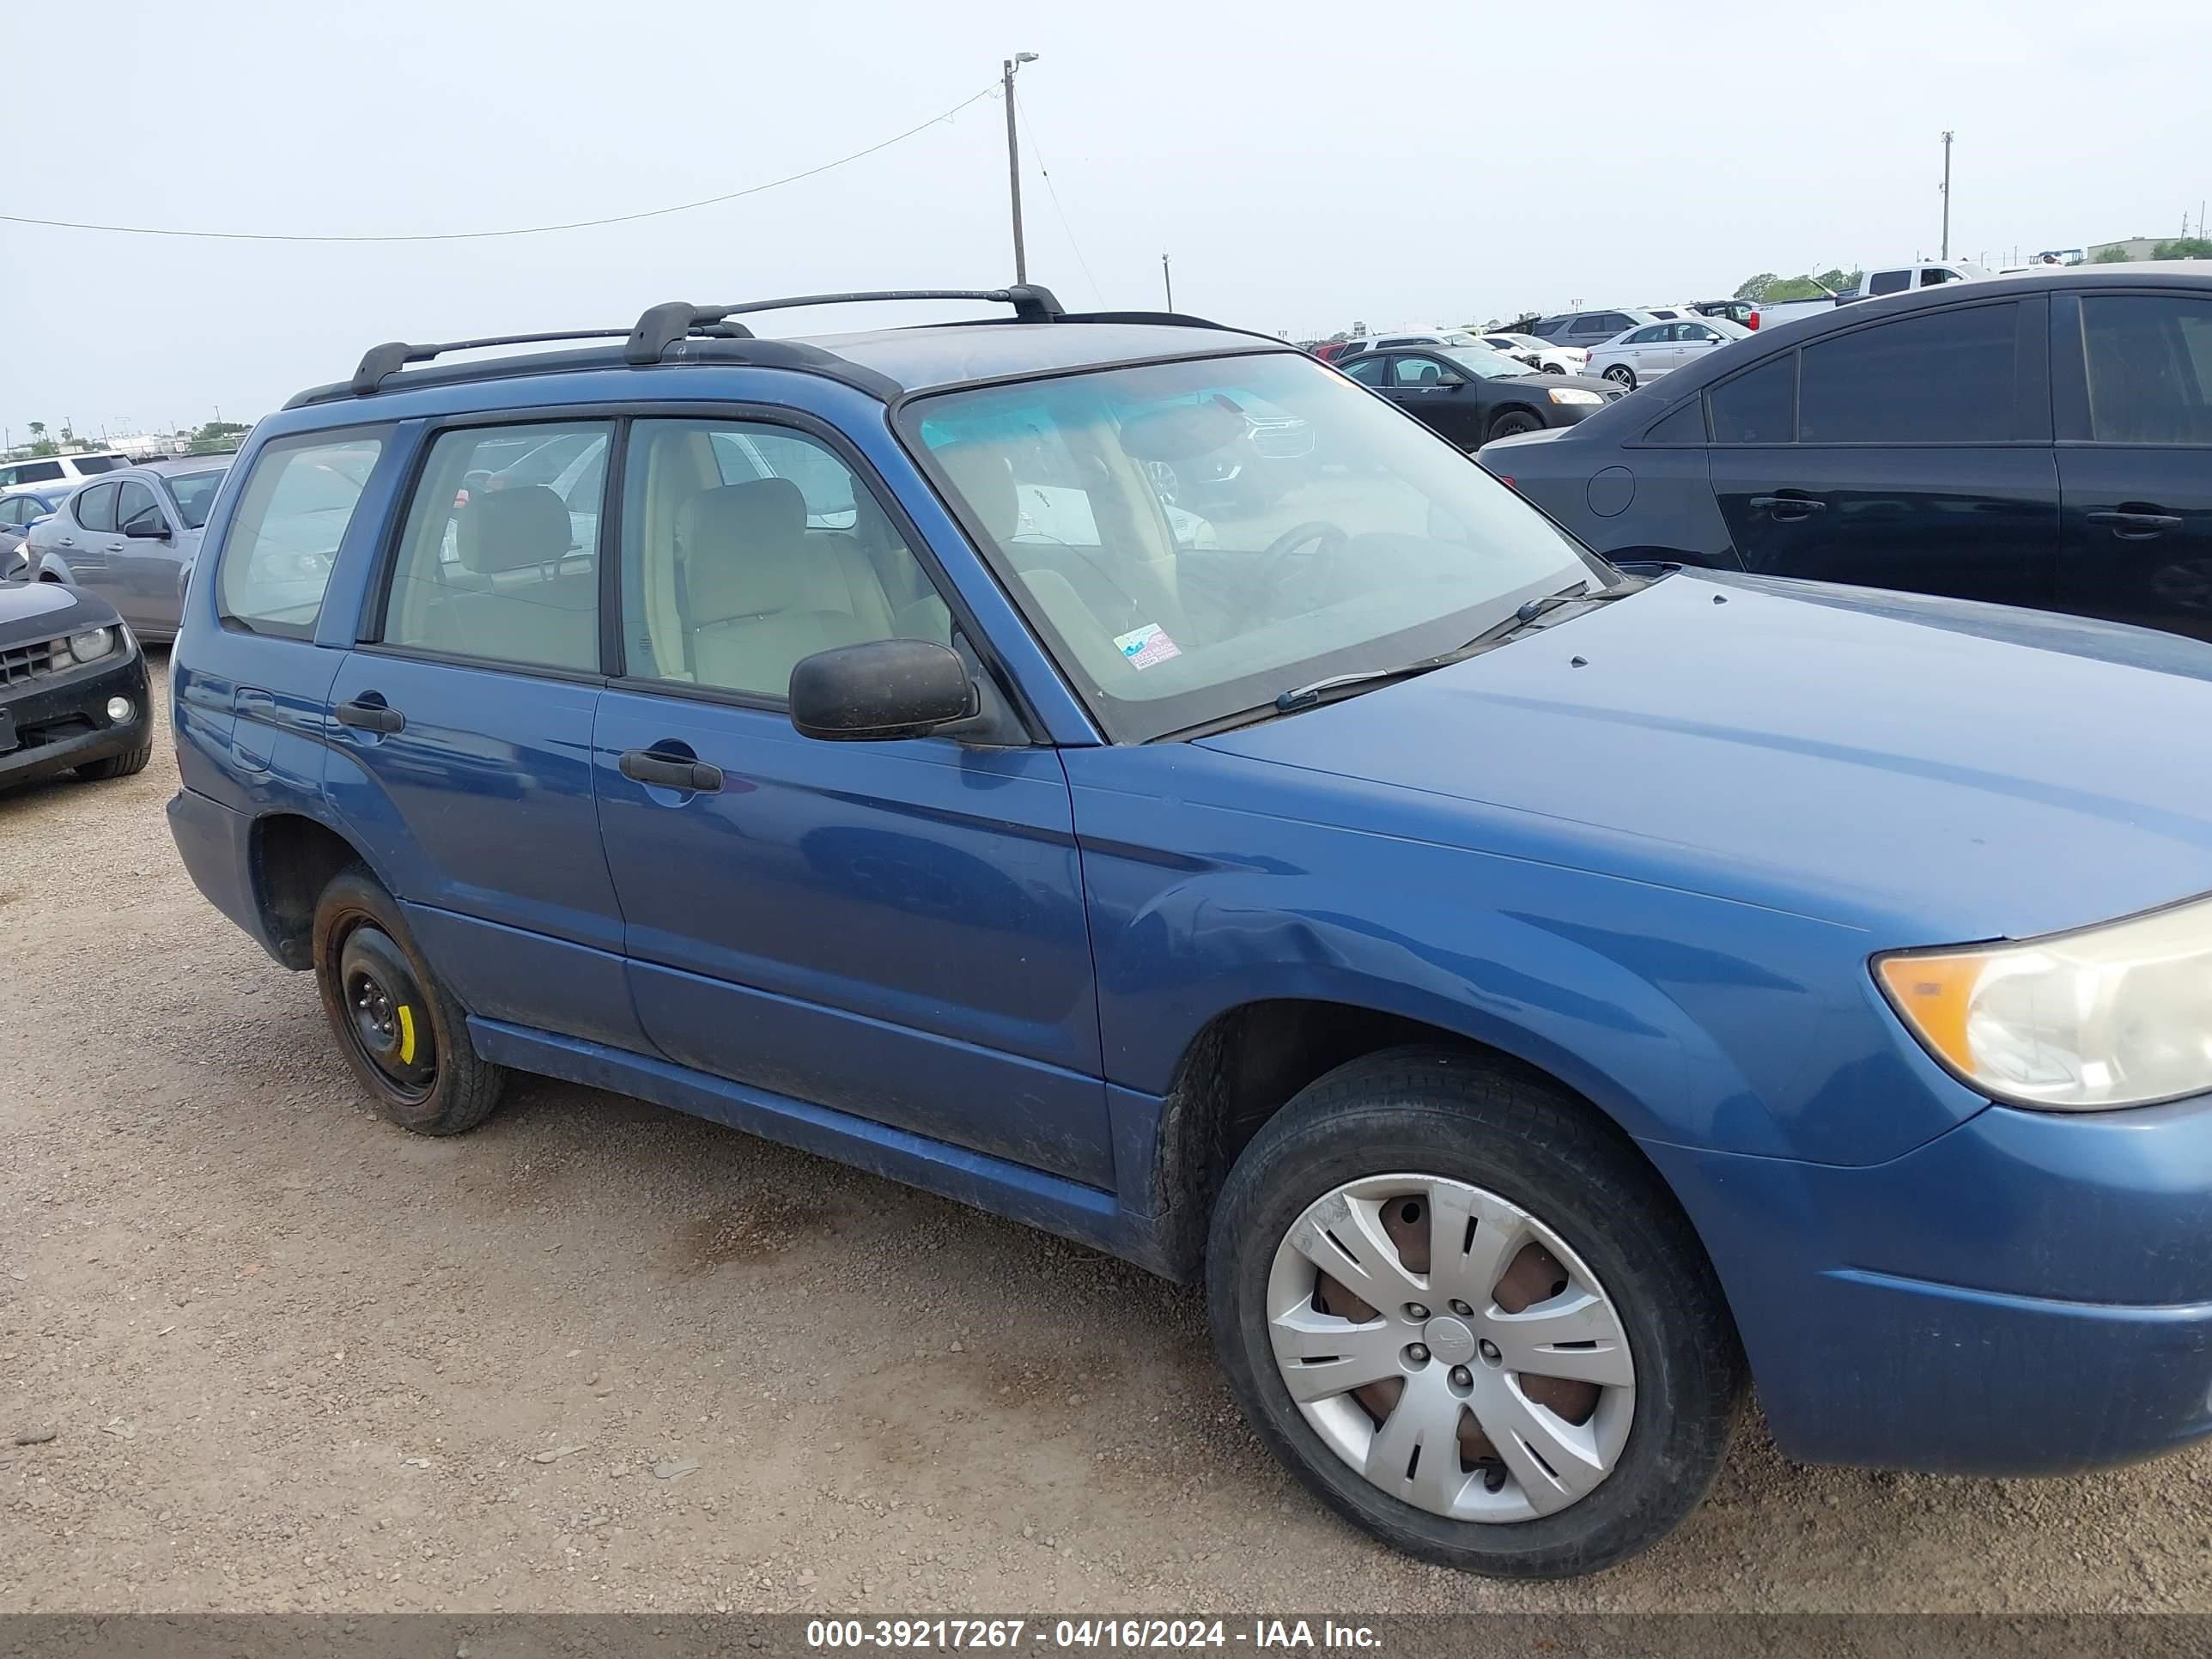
{"x": 1888, "y": 282}
{"x": 1693, "y": 332}
{"x": 89, "y": 465}
{"x": 1756, "y": 407}
{"x": 1651, "y": 336}
{"x": 1942, "y": 376}
{"x": 1686, "y": 425}
{"x": 496, "y": 563}
{"x": 1936, "y": 274}
{"x": 284, "y": 536}
{"x": 37, "y": 472}
{"x": 136, "y": 512}
{"x": 1367, "y": 367}
{"x": 14, "y": 512}
{"x": 1417, "y": 372}
{"x": 2149, "y": 359}
{"x": 747, "y": 547}
{"x": 94, "y": 507}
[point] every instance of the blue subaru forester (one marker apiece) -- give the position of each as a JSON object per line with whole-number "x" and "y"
{"x": 1115, "y": 770}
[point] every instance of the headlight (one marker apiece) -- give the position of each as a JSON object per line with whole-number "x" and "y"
{"x": 2116, "y": 1015}
{"x": 92, "y": 645}
{"x": 1574, "y": 395}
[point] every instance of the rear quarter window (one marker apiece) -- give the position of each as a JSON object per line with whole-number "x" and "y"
{"x": 291, "y": 516}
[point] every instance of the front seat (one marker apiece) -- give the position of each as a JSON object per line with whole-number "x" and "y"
{"x": 527, "y": 605}
{"x": 761, "y": 594}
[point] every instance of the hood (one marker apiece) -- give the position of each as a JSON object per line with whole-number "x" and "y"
{"x": 30, "y": 611}
{"x": 1542, "y": 381}
{"x": 1933, "y": 771}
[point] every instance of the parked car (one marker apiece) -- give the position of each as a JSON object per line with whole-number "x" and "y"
{"x": 2036, "y": 440}
{"x": 1736, "y": 311}
{"x": 1589, "y": 329}
{"x": 1920, "y": 273}
{"x": 1471, "y": 394}
{"x": 131, "y": 539}
{"x": 1771, "y": 314}
{"x": 19, "y": 510}
{"x": 1657, "y": 348}
{"x": 74, "y": 695}
{"x": 1534, "y": 999}
{"x": 63, "y": 472}
{"x": 1540, "y": 353}
{"x": 1391, "y": 339}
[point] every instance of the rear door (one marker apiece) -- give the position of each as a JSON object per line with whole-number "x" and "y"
{"x": 1913, "y": 453}
{"x": 462, "y": 739}
{"x": 2132, "y": 385}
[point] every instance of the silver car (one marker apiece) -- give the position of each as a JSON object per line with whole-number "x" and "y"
{"x": 131, "y": 537}
{"x": 1657, "y": 348}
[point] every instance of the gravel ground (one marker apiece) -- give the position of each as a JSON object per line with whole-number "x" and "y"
{"x": 597, "y": 1355}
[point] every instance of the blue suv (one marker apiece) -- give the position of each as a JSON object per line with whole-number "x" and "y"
{"x": 1537, "y": 1000}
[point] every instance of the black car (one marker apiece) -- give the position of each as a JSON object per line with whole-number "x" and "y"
{"x": 2042, "y": 440}
{"x": 73, "y": 687}
{"x": 1471, "y": 394}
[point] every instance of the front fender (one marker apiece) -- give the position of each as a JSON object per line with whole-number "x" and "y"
{"x": 1691, "y": 1020}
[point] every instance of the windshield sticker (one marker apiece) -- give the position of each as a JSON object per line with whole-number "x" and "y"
{"x": 1146, "y": 646}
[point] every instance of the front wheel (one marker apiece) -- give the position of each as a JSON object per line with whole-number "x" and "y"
{"x": 1471, "y": 1318}
{"x": 400, "y": 1030}
{"x": 1513, "y": 421}
{"x": 1622, "y": 375}
{"x": 127, "y": 764}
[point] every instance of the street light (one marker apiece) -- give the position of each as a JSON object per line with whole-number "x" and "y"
{"x": 1014, "y": 162}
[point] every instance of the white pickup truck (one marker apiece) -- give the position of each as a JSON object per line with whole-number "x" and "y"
{"x": 1894, "y": 279}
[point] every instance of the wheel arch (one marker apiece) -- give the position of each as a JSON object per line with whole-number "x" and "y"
{"x": 293, "y": 858}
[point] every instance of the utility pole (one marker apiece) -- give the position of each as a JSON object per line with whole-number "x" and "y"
{"x": 1168, "y": 277}
{"x": 1014, "y": 163}
{"x": 1946, "y": 254}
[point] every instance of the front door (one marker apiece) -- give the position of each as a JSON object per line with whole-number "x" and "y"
{"x": 1443, "y": 395}
{"x": 1919, "y": 458}
{"x": 461, "y": 744}
{"x": 891, "y": 930}
{"x": 2134, "y": 457}
{"x": 144, "y": 559}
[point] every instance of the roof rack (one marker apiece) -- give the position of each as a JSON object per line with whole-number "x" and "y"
{"x": 664, "y": 324}
{"x": 381, "y": 360}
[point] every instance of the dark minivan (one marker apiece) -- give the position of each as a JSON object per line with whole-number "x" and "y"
{"x": 2044, "y": 440}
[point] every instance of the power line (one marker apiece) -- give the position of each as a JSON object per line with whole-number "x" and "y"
{"x": 1053, "y": 189}
{"x": 522, "y": 230}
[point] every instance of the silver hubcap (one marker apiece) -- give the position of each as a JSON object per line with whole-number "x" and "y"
{"x": 1450, "y": 1347}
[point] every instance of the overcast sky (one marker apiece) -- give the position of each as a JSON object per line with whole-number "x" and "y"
{"x": 1305, "y": 165}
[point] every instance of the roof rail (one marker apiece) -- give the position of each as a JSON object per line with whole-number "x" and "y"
{"x": 381, "y": 360}
{"x": 662, "y": 325}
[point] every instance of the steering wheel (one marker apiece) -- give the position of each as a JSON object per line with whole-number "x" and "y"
{"x": 1282, "y": 555}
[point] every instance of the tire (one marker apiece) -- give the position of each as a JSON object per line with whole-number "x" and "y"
{"x": 1621, "y": 375}
{"x": 397, "y": 1025}
{"x": 129, "y": 763}
{"x": 1481, "y": 1125}
{"x": 1513, "y": 421}
{"x": 1552, "y": 369}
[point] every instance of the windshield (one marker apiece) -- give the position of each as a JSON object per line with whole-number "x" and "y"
{"x": 1194, "y": 539}
{"x": 195, "y": 493}
{"x": 1490, "y": 365}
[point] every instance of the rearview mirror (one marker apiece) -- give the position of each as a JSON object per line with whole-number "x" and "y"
{"x": 880, "y": 690}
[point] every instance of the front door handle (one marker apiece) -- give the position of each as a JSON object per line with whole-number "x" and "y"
{"x": 1789, "y": 506}
{"x": 2135, "y": 526}
{"x": 370, "y": 717}
{"x": 670, "y": 771}
{"x": 65, "y": 541}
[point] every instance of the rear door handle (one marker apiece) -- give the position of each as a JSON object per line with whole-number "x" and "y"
{"x": 2135, "y": 526}
{"x": 370, "y": 717}
{"x": 670, "y": 771}
{"x": 1792, "y": 506}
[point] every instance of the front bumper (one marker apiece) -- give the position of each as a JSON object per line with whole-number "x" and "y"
{"x": 61, "y": 720}
{"x": 2028, "y": 1293}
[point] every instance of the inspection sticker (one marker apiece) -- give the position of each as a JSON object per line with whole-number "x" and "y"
{"x": 1146, "y": 646}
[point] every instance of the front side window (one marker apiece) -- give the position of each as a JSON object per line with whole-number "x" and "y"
{"x": 283, "y": 539}
{"x": 1419, "y": 371}
{"x": 195, "y": 495}
{"x": 2149, "y": 358}
{"x": 500, "y": 570}
{"x": 1945, "y": 376}
{"x": 137, "y": 511}
{"x": 1936, "y": 274}
{"x": 746, "y": 547}
{"x": 1192, "y": 539}
{"x": 94, "y": 507}
{"x": 1757, "y": 407}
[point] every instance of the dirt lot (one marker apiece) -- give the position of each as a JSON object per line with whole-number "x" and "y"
{"x": 293, "y": 1359}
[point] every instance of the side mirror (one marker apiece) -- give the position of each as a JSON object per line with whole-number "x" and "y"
{"x": 147, "y": 530}
{"x": 882, "y": 690}
{"x": 1453, "y": 383}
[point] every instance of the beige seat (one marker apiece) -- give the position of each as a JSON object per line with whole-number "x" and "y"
{"x": 759, "y": 593}
{"x": 531, "y": 603}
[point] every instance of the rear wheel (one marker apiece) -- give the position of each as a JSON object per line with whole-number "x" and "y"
{"x": 1471, "y": 1319}
{"x": 1622, "y": 374}
{"x": 1513, "y": 421}
{"x": 400, "y": 1030}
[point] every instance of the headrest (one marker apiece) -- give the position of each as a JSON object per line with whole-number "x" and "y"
{"x": 985, "y": 477}
{"x": 744, "y": 550}
{"x": 506, "y": 529}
